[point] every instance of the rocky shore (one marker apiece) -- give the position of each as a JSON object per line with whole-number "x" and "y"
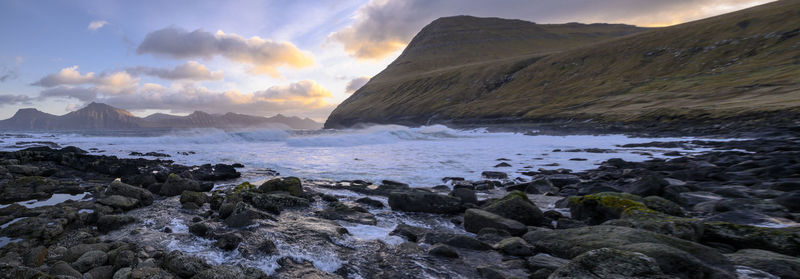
{"x": 731, "y": 212}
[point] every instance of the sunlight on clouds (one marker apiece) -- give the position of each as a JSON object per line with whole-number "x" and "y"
{"x": 264, "y": 56}
{"x": 97, "y": 24}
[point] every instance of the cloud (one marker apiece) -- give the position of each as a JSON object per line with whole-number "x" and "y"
{"x": 191, "y": 70}
{"x": 263, "y": 55}
{"x": 9, "y": 73}
{"x": 80, "y": 93}
{"x": 97, "y": 24}
{"x": 355, "y": 84}
{"x": 382, "y": 27}
{"x": 14, "y": 99}
{"x": 117, "y": 82}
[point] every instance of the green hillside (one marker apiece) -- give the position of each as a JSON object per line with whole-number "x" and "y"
{"x": 469, "y": 70}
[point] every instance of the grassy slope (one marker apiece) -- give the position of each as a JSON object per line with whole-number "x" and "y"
{"x": 747, "y": 61}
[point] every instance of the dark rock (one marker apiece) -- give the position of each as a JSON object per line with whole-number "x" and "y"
{"x": 108, "y": 223}
{"x": 490, "y": 272}
{"x": 195, "y": 198}
{"x": 292, "y": 185}
{"x": 776, "y": 264}
{"x": 63, "y": 269}
{"x": 466, "y": 242}
{"x": 175, "y": 185}
{"x": 100, "y": 272}
{"x": 494, "y": 175}
{"x": 200, "y": 229}
{"x": 561, "y": 180}
{"x": 184, "y": 265}
{"x": 90, "y": 260}
{"x": 517, "y": 206}
{"x": 601, "y": 207}
{"x": 545, "y": 261}
{"x": 228, "y": 241}
{"x": 120, "y": 202}
{"x": 339, "y": 211}
{"x": 35, "y": 256}
{"x": 424, "y": 201}
{"x": 231, "y": 272}
{"x": 609, "y": 263}
{"x": 790, "y": 200}
{"x": 276, "y": 202}
{"x": 411, "y": 233}
{"x": 502, "y": 165}
{"x": 443, "y": 250}
{"x": 118, "y": 188}
{"x": 781, "y": 240}
{"x": 125, "y": 258}
{"x": 465, "y": 195}
{"x": 515, "y": 246}
{"x": 208, "y": 172}
{"x": 650, "y": 185}
{"x": 243, "y": 215}
{"x": 663, "y": 205}
{"x": 76, "y": 251}
{"x": 370, "y": 202}
{"x": 676, "y": 262}
{"x": 476, "y": 219}
{"x": 293, "y": 269}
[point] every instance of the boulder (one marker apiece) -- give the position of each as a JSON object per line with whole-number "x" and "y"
{"x": 494, "y": 175}
{"x": 118, "y": 188}
{"x": 370, "y": 202}
{"x": 231, "y": 272}
{"x": 243, "y": 215}
{"x": 790, "y": 200}
{"x": 477, "y": 219}
{"x": 443, "y": 250}
{"x": 292, "y": 185}
{"x": 570, "y": 243}
{"x": 781, "y": 240}
{"x": 601, "y": 207}
{"x": 63, "y": 269}
{"x": 120, "y": 202}
{"x": 197, "y": 199}
{"x": 609, "y": 263}
{"x": 465, "y": 195}
{"x": 663, "y": 205}
{"x": 467, "y": 242}
{"x": 276, "y": 202}
{"x": 545, "y": 261}
{"x": 184, "y": 265}
{"x": 649, "y": 185}
{"x": 678, "y": 263}
{"x": 90, "y": 260}
{"x": 107, "y": 223}
{"x": 515, "y": 246}
{"x": 424, "y": 201}
{"x": 175, "y": 185}
{"x": 339, "y": 211}
{"x": 228, "y": 241}
{"x": 100, "y": 272}
{"x": 776, "y": 264}
{"x": 517, "y": 206}
{"x": 561, "y": 180}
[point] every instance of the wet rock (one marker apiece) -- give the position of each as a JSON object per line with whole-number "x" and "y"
{"x": 228, "y": 241}
{"x": 443, "y": 250}
{"x": 35, "y": 256}
{"x": 517, "y": 206}
{"x": 776, "y": 264}
{"x": 25, "y": 170}
{"x": 465, "y": 195}
{"x": 118, "y": 188}
{"x": 64, "y": 269}
{"x": 291, "y": 269}
{"x": 515, "y": 246}
{"x": 339, "y": 211}
{"x": 292, "y": 185}
{"x": 490, "y": 272}
{"x": 570, "y": 243}
{"x": 411, "y": 233}
{"x": 175, "y": 185}
{"x": 663, "y": 205}
{"x": 650, "y": 185}
{"x": 200, "y": 229}
{"x": 466, "y": 242}
{"x": 685, "y": 228}
{"x": 243, "y": 215}
{"x": 476, "y": 219}
{"x": 100, "y": 272}
{"x": 120, "y": 202}
{"x": 184, "y": 265}
{"x": 601, "y": 207}
{"x": 561, "y": 180}
{"x": 424, "y": 201}
{"x": 231, "y": 272}
{"x": 146, "y": 273}
{"x": 36, "y": 228}
{"x": 76, "y": 251}
{"x": 494, "y": 175}
{"x": 676, "y": 262}
{"x": 502, "y": 165}
{"x": 125, "y": 258}
{"x": 208, "y": 172}
{"x": 781, "y": 240}
{"x": 276, "y": 202}
{"x": 370, "y": 202}
{"x": 196, "y": 199}
{"x": 107, "y": 223}
{"x": 690, "y": 199}
{"x": 790, "y": 200}
{"x": 609, "y": 263}
{"x": 545, "y": 261}
{"x": 90, "y": 260}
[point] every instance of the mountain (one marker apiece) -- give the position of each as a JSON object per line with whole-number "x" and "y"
{"x": 97, "y": 116}
{"x": 476, "y": 70}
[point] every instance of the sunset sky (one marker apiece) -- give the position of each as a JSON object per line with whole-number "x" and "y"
{"x": 297, "y": 58}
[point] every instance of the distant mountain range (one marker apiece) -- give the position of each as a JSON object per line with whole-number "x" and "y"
{"x": 470, "y": 70}
{"x": 98, "y": 116}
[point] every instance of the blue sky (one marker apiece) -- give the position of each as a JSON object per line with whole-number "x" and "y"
{"x": 255, "y": 57}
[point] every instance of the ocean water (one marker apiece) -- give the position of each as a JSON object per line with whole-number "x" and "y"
{"x": 418, "y": 156}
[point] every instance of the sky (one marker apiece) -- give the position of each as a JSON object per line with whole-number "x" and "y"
{"x": 291, "y": 57}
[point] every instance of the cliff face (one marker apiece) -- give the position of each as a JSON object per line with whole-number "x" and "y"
{"x": 98, "y": 116}
{"x": 470, "y": 70}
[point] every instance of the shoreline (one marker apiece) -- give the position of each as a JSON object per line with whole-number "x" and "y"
{"x": 703, "y": 204}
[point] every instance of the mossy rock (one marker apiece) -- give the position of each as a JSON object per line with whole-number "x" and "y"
{"x": 244, "y": 187}
{"x": 781, "y": 240}
{"x": 516, "y": 205}
{"x": 289, "y": 184}
{"x": 664, "y": 205}
{"x": 684, "y": 228}
{"x": 601, "y": 207}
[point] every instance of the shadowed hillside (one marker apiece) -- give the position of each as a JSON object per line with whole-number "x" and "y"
{"x": 734, "y": 65}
